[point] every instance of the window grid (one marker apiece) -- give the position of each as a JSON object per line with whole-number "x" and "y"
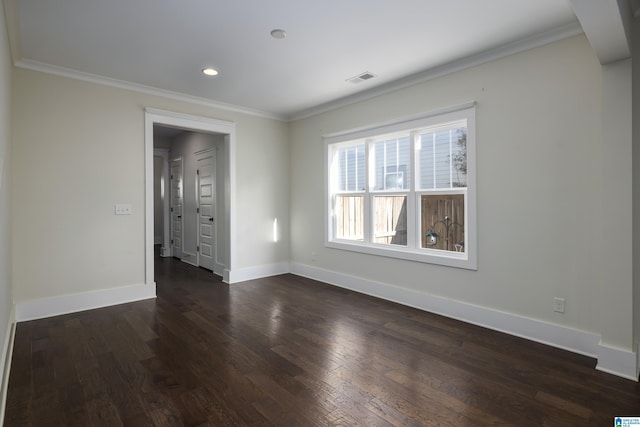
{"x": 395, "y": 192}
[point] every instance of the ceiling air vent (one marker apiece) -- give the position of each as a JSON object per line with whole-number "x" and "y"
{"x": 361, "y": 77}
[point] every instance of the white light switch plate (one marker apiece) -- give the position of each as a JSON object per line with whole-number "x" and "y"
{"x": 123, "y": 209}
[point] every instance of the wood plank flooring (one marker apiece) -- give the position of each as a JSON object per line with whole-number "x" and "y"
{"x": 289, "y": 351}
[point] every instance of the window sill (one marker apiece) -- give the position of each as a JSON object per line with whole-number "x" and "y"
{"x": 428, "y": 256}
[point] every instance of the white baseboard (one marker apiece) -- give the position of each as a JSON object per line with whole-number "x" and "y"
{"x": 614, "y": 361}
{"x": 250, "y": 273}
{"x": 5, "y": 363}
{"x": 39, "y": 309}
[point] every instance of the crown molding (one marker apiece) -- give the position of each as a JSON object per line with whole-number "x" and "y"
{"x": 29, "y": 64}
{"x": 505, "y": 50}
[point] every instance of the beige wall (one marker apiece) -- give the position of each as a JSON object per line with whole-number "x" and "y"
{"x": 79, "y": 149}
{"x": 542, "y": 229}
{"x": 636, "y": 176}
{"x": 6, "y": 297}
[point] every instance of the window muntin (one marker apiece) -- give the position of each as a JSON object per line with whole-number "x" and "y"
{"x": 442, "y": 157}
{"x": 390, "y": 159}
{"x": 418, "y": 198}
{"x": 350, "y": 168}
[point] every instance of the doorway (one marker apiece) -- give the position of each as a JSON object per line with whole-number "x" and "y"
{"x": 195, "y": 124}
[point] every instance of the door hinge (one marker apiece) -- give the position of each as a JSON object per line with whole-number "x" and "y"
{"x": 197, "y": 248}
{"x": 197, "y": 210}
{"x": 197, "y": 171}
{"x": 171, "y": 177}
{"x": 171, "y": 209}
{"x": 172, "y": 241}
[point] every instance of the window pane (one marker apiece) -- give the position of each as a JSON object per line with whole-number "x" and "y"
{"x": 442, "y": 158}
{"x": 349, "y": 217}
{"x": 442, "y": 219}
{"x": 390, "y": 220}
{"x": 391, "y": 164}
{"x": 350, "y": 170}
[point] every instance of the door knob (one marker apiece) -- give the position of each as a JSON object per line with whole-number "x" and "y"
{"x": 211, "y": 219}
{"x": 179, "y": 216}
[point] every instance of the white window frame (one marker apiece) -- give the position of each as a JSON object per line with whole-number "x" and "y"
{"x": 413, "y": 251}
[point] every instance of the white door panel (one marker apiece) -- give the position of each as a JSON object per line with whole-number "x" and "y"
{"x": 206, "y": 184}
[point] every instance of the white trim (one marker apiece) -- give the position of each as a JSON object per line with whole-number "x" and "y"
{"x": 617, "y": 361}
{"x": 409, "y": 124}
{"x": 532, "y": 42}
{"x": 559, "y": 336}
{"x": 256, "y": 272}
{"x": 5, "y": 362}
{"x": 55, "y": 306}
{"x": 32, "y": 65}
{"x": 429, "y": 256}
{"x": 400, "y": 124}
{"x": 196, "y": 123}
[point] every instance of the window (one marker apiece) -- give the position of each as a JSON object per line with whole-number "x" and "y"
{"x": 406, "y": 189}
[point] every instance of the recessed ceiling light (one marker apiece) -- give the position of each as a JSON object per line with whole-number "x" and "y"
{"x": 210, "y": 71}
{"x": 278, "y": 33}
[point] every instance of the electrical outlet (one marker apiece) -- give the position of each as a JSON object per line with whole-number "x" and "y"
{"x": 123, "y": 209}
{"x": 558, "y": 305}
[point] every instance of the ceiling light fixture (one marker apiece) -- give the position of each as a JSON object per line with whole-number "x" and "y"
{"x": 210, "y": 71}
{"x": 278, "y": 33}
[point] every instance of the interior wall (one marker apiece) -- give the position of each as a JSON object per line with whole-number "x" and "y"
{"x": 78, "y": 149}
{"x": 6, "y": 297}
{"x": 158, "y": 206}
{"x": 635, "y": 46}
{"x": 615, "y": 295}
{"x": 540, "y": 185}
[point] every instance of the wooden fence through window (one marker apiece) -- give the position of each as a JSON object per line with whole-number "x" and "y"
{"x": 390, "y": 219}
{"x": 434, "y": 210}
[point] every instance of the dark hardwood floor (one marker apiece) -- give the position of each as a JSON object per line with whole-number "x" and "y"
{"x": 290, "y": 351}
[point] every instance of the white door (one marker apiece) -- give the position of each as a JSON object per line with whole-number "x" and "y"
{"x": 177, "y": 227}
{"x": 206, "y": 183}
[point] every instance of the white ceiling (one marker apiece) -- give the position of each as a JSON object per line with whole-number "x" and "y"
{"x": 164, "y": 44}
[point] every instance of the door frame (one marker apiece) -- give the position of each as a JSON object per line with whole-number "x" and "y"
{"x": 198, "y": 124}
